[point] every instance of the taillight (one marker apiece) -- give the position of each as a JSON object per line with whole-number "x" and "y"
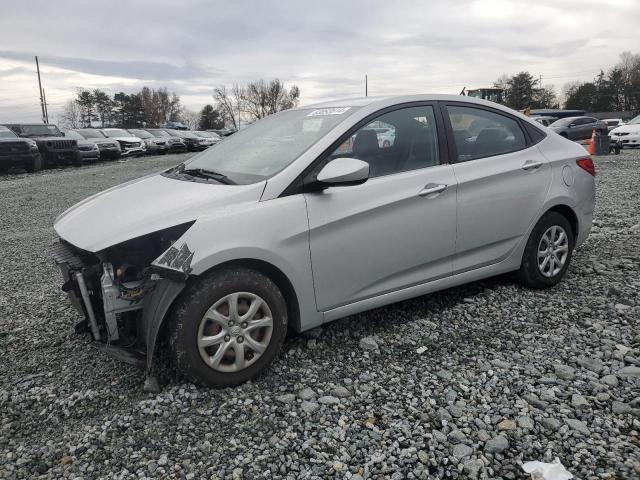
{"x": 587, "y": 165}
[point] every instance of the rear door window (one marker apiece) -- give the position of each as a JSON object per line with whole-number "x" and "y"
{"x": 479, "y": 133}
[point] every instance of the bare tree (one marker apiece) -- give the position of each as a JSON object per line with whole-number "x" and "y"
{"x": 190, "y": 118}
{"x": 262, "y": 98}
{"x": 70, "y": 116}
{"x": 229, "y": 104}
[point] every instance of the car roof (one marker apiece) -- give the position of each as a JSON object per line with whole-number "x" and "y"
{"x": 364, "y": 101}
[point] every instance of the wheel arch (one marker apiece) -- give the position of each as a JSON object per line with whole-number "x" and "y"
{"x": 567, "y": 212}
{"x": 277, "y": 276}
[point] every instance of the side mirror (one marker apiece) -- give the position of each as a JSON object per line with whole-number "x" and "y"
{"x": 343, "y": 172}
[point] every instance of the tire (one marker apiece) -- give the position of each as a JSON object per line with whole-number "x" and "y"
{"x": 77, "y": 161}
{"x": 386, "y": 144}
{"x": 531, "y": 273}
{"x": 187, "y": 325}
{"x": 35, "y": 165}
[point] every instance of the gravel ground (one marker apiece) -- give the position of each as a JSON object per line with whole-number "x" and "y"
{"x": 466, "y": 383}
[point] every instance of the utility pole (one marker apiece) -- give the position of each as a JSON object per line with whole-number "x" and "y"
{"x": 46, "y": 110}
{"x": 44, "y": 115}
{"x": 366, "y": 86}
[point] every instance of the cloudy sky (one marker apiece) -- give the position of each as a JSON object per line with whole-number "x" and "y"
{"x": 325, "y": 47}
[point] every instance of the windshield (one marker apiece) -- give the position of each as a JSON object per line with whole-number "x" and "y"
{"x": 91, "y": 133}
{"x": 41, "y": 130}
{"x": 634, "y": 121}
{"x": 117, "y": 132}
{"x": 158, "y": 133}
{"x": 141, "y": 133}
{"x": 7, "y": 134}
{"x": 72, "y": 134}
{"x": 269, "y": 145}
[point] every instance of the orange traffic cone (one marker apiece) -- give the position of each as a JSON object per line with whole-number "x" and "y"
{"x": 592, "y": 143}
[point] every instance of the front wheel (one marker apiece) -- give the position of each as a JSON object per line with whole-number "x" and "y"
{"x": 228, "y": 327}
{"x": 35, "y": 165}
{"x": 77, "y": 160}
{"x": 548, "y": 252}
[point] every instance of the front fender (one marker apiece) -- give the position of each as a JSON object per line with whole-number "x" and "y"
{"x": 274, "y": 231}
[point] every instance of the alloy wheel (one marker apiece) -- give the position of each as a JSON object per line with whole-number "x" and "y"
{"x": 235, "y": 331}
{"x": 553, "y": 251}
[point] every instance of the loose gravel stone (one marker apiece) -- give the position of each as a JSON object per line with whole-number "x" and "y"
{"x": 578, "y": 425}
{"x": 629, "y": 371}
{"x": 68, "y": 410}
{"x": 565, "y": 372}
{"x": 286, "y": 398}
{"x": 460, "y": 451}
{"x": 309, "y": 407}
{"x": 496, "y": 444}
{"x": 307, "y": 394}
{"x": 369, "y": 343}
{"x": 506, "y": 425}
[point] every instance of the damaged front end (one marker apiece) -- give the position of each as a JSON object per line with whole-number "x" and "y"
{"x": 125, "y": 290}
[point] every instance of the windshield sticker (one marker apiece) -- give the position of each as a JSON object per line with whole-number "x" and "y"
{"x": 328, "y": 111}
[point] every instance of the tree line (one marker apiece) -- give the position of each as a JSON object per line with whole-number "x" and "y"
{"x": 231, "y": 107}
{"x": 616, "y": 90}
{"x": 148, "y": 107}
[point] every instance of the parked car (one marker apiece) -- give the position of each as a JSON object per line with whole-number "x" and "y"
{"x": 578, "y": 128}
{"x": 155, "y": 145}
{"x": 175, "y": 144}
{"x": 544, "y": 120}
{"x": 386, "y": 136}
{"x": 109, "y": 148}
{"x": 193, "y": 142}
{"x": 629, "y": 134}
{"x": 211, "y": 138}
{"x": 216, "y": 254}
{"x": 613, "y": 123}
{"x": 130, "y": 145}
{"x": 88, "y": 149}
{"x": 223, "y": 132}
{"x": 53, "y": 147}
{"x": 18, "y": 152}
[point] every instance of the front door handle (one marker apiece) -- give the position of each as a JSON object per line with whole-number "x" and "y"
{"x": 432, "y": 188}
{"x": 531, "y": 165}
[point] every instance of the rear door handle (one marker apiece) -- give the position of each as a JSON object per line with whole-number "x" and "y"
{"x": 531, "y": 165}
{"x": 432, "y": 188}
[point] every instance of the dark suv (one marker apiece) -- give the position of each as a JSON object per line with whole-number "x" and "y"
{"x": 18, "y": 152}
{"x": 54, "y": 148}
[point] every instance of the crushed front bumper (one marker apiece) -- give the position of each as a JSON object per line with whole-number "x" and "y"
{"x": 124, "y": 318}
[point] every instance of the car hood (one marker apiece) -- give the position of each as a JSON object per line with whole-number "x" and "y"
{"x": 126, "y": 139}
{"x": 635, "y": 128}
{"x": 143, "y": 206}
{"x": 43, "y": 138}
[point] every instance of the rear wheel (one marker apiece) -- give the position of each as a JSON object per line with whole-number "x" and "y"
{"x": 548, "y": 252}
{"x": 228, "y": 327}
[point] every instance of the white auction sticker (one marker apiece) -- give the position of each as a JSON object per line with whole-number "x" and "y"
{"x": 328, "y": 111}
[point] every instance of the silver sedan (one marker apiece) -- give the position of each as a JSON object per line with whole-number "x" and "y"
{"x": 303, "y": 218}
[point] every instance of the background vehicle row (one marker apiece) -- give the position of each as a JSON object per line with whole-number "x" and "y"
{"x": 36, "y": 146}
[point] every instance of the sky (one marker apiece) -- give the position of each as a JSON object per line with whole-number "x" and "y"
{"x": 324, "y": 47}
